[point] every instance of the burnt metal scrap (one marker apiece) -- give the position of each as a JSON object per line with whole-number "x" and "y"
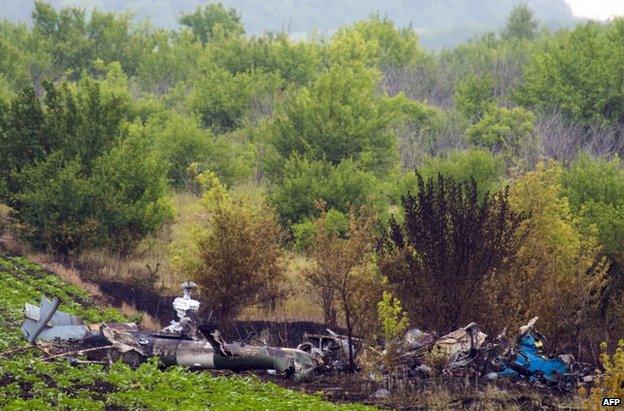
{"x": 180, "y": 343}
{"x": 332, "y": 350}
{"x": 464, "y": 352}
{"x": 467, "y": 352}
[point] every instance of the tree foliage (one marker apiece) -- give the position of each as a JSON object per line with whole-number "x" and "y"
{"x": 579, "y": 73}
{"x": 595, "y": 188}
{"x": 236, "y": 256}
{"x": 343, "y": 274}
{"x": 213, "y": 20}
{"x": 451, "y": 239}
{"x": 507, "y": 131}
{"x": 341, "y": 116}
{"x": 555, "y": 250}
{"x": 306, "y": 182}
{"x": 521, "y": 24}
{"x": 382, "y": 44}
{"x": 78, "y": 176}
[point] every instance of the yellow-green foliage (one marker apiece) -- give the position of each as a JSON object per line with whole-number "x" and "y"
{"x": 611, "y": 383}
{"x": 377, "y": 41}
{"x": 509, "y": 131}
{"x": 554, "y": 274}
{"x": 394, "y": 321}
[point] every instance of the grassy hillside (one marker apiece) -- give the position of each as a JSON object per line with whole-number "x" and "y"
{"x": 29, "y": 383}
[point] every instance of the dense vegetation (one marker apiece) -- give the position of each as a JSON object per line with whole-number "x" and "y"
{"x": 442, "y": 23}
{"x": 479, "y": 183}
{"x": 30, "y": 385}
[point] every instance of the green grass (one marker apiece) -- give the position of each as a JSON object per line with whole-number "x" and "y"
{"x": 27, "y": 383}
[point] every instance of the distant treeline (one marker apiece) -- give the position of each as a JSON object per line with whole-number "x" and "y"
{"x": 440, "y": 23}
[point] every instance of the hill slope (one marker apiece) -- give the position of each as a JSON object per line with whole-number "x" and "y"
{"x": 441, "y": 23}
{"x": 33, "y": 384}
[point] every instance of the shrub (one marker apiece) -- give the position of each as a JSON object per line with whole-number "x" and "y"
{"x": 236, "y": 257}
{"x": 485, "y": 168}
{"x": 213, "y": 20}
{"x": 555, "y": 250}
{"x": 578, "y": 73}
{"x": 306, "y": 182}
{"x": 474, "y": 96}
{"x": 342, "y": 273}
{"x": 394, "y": 324}
{"x": 77, "y": 174}
{"x": 450, "y": 240}
{"x": 223, "y": 100}
{"x": 507, "y": 131}
{"x": 611, "y": 382}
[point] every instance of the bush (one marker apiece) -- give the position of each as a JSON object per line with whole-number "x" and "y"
{"x": 388, "y": 45}
{"x": 611, "y": 382}
{"x": 507, "y": 131}
{"x": 341, "y": 116}
{"x": 595, "y": 188}
{"x": 578, "y": 73}
{"x": 213, "y": 20}
{"x": 554, "y": 250}
{"x": 451, "y": 239}
{"x": 77, "y": 175}
{"x": 236, "y": 257}
{"x": 394, "y": 324}
{"x": 474, "y": 96}
{"x": 337, "y": 223}
{"x": 306, "y": 182}
{"x": 131, "y": 191}
{"x": 485, "y": 168}
{"x": 181, "y": 142}
{"x": 223, "y": 100}
{"x": 343, "y": 275}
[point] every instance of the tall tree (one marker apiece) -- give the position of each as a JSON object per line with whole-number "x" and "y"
{"x": 521, "y": 24}
{"x": 212, "y": 20}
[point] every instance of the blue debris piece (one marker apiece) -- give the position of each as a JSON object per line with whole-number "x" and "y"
{"x": 530, "y": 363}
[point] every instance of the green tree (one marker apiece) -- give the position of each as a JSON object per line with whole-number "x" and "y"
{"x": 168, "y": 60}
{"x": 213, "y": 20}
{"x": 306, "y": 182}
{"x": 579, "y": 73}
{"x": 595, "y": 188}
{"x": 55, "y": 206}
{"x": 21, "y": 137}
{"x": 131, "y": 191}
{"x": 77, "y": 175}
{"x": 187, "y": 148}
{"x": 384, "y": 44}
{"x": 555, "y": 249}
{"x": 64, "y": 35}
{"x": 521, "y": 24}
{"x": 341, "y": 115}
{"x": 507, "y": 131}
{"x": 487, "y": 169}
{"x": 223, "y": 100}
{"x": 293, "y": 61}
{"x": 474, "y": 96}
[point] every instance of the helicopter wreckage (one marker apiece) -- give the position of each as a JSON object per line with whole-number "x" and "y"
{"x": 465, "y": 352}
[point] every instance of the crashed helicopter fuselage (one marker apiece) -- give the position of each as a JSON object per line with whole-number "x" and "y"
{"x": 180, "y": 343}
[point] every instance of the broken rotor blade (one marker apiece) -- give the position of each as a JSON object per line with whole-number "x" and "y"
{"x": 32, "y": 329}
